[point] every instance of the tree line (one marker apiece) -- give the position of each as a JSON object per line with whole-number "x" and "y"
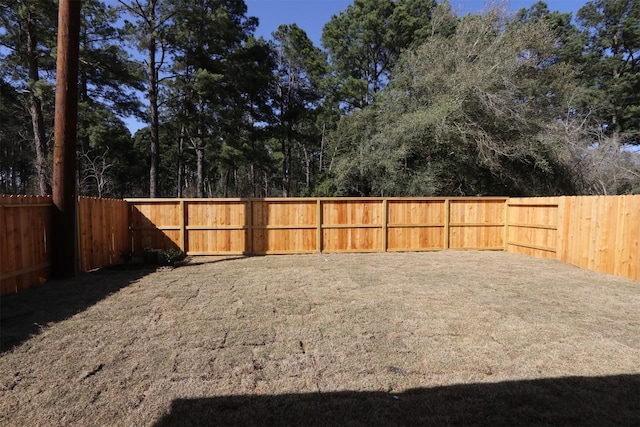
{"x": 404, "y": 98}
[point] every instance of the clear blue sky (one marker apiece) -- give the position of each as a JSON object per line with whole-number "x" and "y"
{"x": 311, "y": 15}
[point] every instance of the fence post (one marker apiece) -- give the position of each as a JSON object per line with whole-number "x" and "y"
{"x": 385, "y": 220}
{"x": 562, "y": 228}
{"x": 80, "y": 261}
{"x": 319, "y": 225}
{"x": 447, "y": 209}
{"x": 132, "y": 241}
{"x": 506, "y": 225}
{"x": 183, "y": 228}
{"x": 248, "y": 246}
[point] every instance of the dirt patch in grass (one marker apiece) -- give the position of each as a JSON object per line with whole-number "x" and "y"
{"x": 360, "y": 339}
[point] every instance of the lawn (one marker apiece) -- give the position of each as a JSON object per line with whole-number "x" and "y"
{"x": 481, "y": 338}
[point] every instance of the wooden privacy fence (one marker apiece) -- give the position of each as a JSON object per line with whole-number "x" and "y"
{"x": 25, "y": 236}
{"x": 304, "y": 225}
{"x": 600, "y": 233}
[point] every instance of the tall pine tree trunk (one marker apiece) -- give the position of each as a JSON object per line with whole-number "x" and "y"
{"x": 153, "y": 110}
{"x": 199, "y": 164}
{"x": 153, "y": 101}
{"x": 35, "y": 107}
{"x": 180, "y": 176}
{"x": 200, "y": 170}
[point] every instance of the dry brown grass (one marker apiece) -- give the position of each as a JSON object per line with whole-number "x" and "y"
{"x": 394, "y": 338}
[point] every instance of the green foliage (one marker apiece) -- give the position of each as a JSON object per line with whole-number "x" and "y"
{"x": 365, "y": 41}
{"x": 211, "y": 102}
{"x": 171, "y": 256}
{"x": 27, "y": 38}
{"x": 16, "y": 154}
{"x": 301, "y": 68}
{"x": 405, "y": 99}
{"x": 612, "y": 29}
{"x": 105, "y": 75}
{"x": 461, "y": 115}
{"x": 162, "y": 257}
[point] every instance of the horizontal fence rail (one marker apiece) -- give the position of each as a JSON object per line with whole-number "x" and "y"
{"x": 600, "y": 233}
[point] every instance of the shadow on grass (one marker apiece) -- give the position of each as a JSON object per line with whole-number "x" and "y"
{"x": 25, "y": 313}
{"x": 192, "y": 261}
{"x": 570, "y": 401}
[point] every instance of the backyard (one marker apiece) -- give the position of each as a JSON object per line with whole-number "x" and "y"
{"x": 480, "y": 338}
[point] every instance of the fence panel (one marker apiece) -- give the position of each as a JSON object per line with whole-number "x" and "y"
{"x": 155, "y": 223}
{"x": 214, "y": 227}
{"x": 281, "y": 226}
{"x": 103, "y": 232}
{"x": 533, "y": 225}
{"x": 602, "y": 233}
{"x": 627, "y": 255}
{"x": 25, "y": 233}
{"x": 416, "y": 225}
{"x": 477, "y": 224}
{"x": 352, "y": 225}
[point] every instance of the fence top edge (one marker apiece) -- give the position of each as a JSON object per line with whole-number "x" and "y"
{"x": 25, "y": 201}
{"x": 313, "y": 199}
{"x": 24, "y": 196}
{"x": 99, "y": 198}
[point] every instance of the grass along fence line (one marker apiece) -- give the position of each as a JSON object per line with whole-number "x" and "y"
{"x": 599, "y": 233}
